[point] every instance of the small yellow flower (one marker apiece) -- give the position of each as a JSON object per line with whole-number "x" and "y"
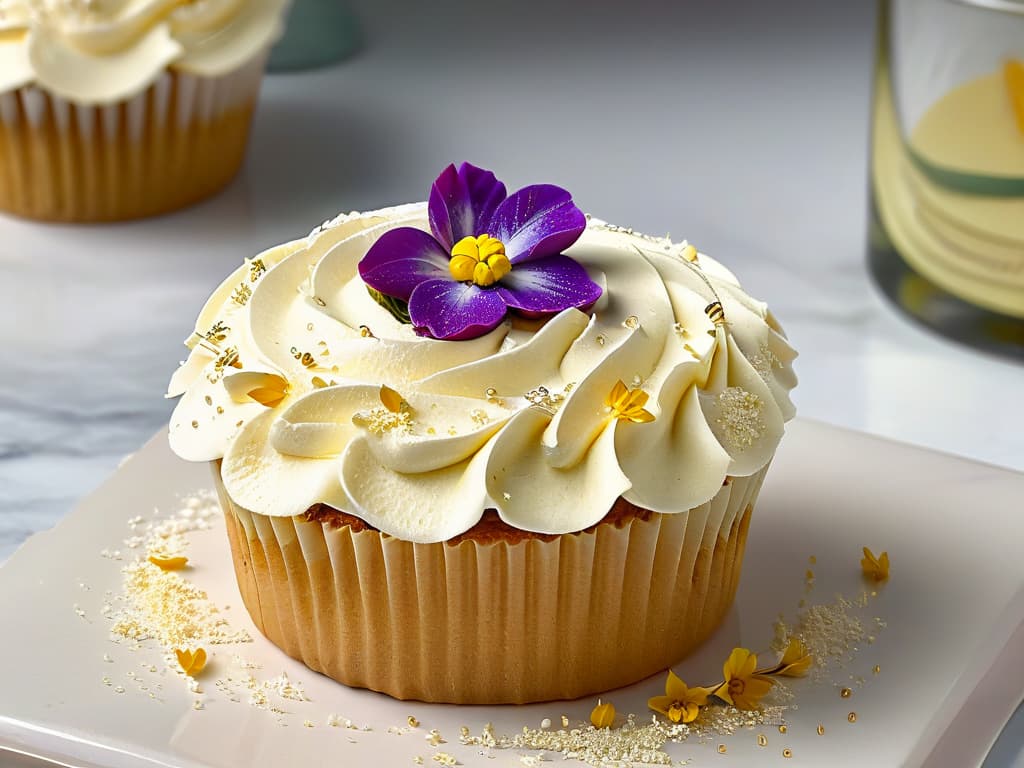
{"x": 168, "y": 563}
{"x": 679, "y": 704}
{"x": 876, "y": 568}
{"x": 603, "y": 715}
{"x": 743, "y": 687}
{"x": 794, "y": 662}
{"x": 192, "y": 662}
{"x": 628, "y": 405}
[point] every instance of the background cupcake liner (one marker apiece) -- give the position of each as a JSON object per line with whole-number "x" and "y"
{"x": 489, "y": 623}
{"x": 175, "y": 143}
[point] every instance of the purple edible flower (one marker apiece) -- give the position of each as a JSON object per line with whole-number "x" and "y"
{"x": 489, "y": 252}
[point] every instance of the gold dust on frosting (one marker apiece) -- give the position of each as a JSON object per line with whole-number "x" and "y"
{"x": 378, "y": 421}
{"x": 242, "y": 294}
{"x": 739, "y": 416}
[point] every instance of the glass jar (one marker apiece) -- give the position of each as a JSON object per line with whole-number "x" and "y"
{"x": 947, "y": 167}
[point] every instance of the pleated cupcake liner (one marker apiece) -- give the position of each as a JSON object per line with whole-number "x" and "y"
{"x": 494, "y": 622}
{"x": 174, "y": 144}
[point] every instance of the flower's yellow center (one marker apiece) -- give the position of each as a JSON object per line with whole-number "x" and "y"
{"x": 480, "y": 260}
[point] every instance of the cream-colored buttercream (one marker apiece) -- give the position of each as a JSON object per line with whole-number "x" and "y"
{"x": 103, "y": 51}
{"x": 313, "y": 392}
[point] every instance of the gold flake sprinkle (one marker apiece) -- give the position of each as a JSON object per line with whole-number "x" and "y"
{"x": 220, "y": 410}
{"x": 846, "y": 693}
{"x": 443, "y": 758}
{"x": 632, "y": 322}
{"x": 812, "y": 560}
{"x": 412, "y": 721}
{"x": 876, "y": 669}
{"x": 217, "y": 333}
{"x": 722, "y": 749}
{"x": 380, "y": 420}
{"x": 739, "y": 416}
{"x": 464, "y": 731}
{"x": 365, "y": 332}
{"x": 565, "y": 721}
{"x": 479, "y": 417}
{"x": 600, "y": 339}
{"x": 242, "y": 294}
{"x": 787, "y": 752}
{"x": 782, "y": 729}
{"x": 689, "y": 253}
{"x": 762, "y": 740}
{"x": 319, "y": 302}
{"x": 821, "y": 729}
{"x": 195, "y": 424}
{"x": 541, "y": 397}
{"x": 434, "y": 738}
{"x": 852, "y": 717}
{"x": 256, "y": 269}
{"x": 306, "y": 358}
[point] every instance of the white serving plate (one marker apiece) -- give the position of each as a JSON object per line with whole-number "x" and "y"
{"x": 951, "y": 654}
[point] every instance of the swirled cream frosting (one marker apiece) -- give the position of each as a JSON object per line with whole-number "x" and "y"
{"x": 103, "y": 51}
{"x": 310, "y": 391}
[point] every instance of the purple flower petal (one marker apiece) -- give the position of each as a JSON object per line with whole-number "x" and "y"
{"x": 539, "y": 220}
{"x": 548, "y": 284}
{"x": 461, "y": 200}
{"x": 451, "y": 310}
{"x": 401, "y": 259}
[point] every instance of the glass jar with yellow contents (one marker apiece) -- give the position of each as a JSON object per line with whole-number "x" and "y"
{"x": 947, "y": 166}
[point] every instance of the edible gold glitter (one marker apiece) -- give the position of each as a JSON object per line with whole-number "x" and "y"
{"x": 256, "y": 269}
{"x": 852, "y": 717}
{"x": 722, "y": 749}
{"x": 479, "y": 417}
{"x": 365, "y": 332}
{"x": 242, "y": 294}
{"x": 787, "y": 752}
{"x": 632, "y": 322}
{"x": 876, "y": 669}
{"x": 782, "y": 729}
{"x": 762, "y": 740}
{"x": 381, "y": 420}
{"x": 542, "y": 398}
{"x": 821, "y": 729}
{"x": 739, "y": 416}
{"x": 319, "y": 302}
{"x": 434, "y": 738}
{"x": 412, "y": 721}
{"x": 195, "y": 424}
{"x": 217, "y": 333}
{"x": 443, "y": 758}
{"x": 846, "y": 693}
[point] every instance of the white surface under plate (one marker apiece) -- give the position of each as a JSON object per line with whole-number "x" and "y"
{"x": 951, "y": 653}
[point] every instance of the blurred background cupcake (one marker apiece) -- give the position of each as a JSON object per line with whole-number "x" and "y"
{"x": 117, "y": 109}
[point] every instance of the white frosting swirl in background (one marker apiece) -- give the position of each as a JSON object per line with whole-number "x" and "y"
{"x": 474, "y": 435}
{"x": 104, "y": 51}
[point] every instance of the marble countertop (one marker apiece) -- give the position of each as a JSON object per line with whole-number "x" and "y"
{"x": 742, "y": 126}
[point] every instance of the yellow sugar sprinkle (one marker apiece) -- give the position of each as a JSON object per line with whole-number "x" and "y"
{"x": 165, "y": 607}
{"x": 168, "y": 563}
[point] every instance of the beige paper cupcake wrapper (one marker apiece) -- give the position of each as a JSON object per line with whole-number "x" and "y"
{"x": 177, "y": 142}
{"x": 489, "y": 623}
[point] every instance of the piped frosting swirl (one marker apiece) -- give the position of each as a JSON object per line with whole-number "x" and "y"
{"x": 103, "y": 51}
{"x": 312, "y": 392}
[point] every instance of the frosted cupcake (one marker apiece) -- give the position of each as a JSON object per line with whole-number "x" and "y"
{"x": 484, "y": 449}
{"x": 115, "y": 109}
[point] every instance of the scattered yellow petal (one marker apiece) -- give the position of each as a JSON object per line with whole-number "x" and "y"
{"x": 192, "y": 662}
{"x": 876, "y": 568}
{"x": 168, "y": 563}
{"x": 393, "y": 401}
{"x": 268, "y": 396}
{"x": 794, "y": 662}
{"x": 628, "y": 405}
{"x": 603, "y": 715}
{"x": 1013, "y": 72}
